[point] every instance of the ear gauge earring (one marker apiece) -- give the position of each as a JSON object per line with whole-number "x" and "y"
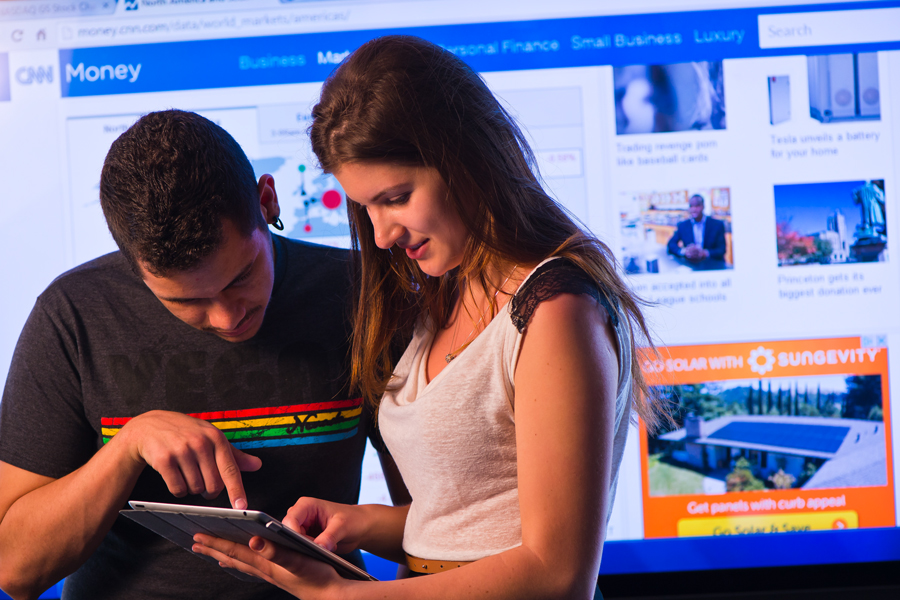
{"x": 277, "y": 224}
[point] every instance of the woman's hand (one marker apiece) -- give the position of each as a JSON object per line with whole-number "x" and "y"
{"x": 336, "y": 527}
{"x": 343, "y": 528}
{"x": 293, "y": 572}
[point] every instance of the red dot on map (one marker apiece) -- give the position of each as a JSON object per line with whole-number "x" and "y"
{"x": 307, "y": 228}
{"x": 331, "y": 199}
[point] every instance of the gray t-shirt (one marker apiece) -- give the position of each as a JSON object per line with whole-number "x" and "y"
{"x": 99, "y": 348}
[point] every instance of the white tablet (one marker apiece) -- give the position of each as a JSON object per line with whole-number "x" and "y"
{"x": 179, "y": 523}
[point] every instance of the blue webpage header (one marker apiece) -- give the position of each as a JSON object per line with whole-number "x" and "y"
{"x": 507, "y": 46}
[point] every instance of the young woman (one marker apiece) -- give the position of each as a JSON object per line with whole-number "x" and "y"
{"x": 508, "y": 411}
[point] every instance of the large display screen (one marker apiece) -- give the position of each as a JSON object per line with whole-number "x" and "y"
{"x": 777, "y": 319}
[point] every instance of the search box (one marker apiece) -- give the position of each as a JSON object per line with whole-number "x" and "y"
{"x": 834, "y": 28}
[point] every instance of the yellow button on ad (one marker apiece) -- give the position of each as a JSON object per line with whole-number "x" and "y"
{"x": 784, "y": 523}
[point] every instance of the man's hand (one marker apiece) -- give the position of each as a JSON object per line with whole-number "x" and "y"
{"x": 695, "y": 252}
{"x": 49, "y": 527}
{"x": 192, "y": 456}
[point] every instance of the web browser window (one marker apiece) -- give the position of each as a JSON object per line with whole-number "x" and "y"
{"x": 740, "y": 158}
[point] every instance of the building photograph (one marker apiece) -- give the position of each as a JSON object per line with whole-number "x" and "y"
{"x": 831, "y": 223}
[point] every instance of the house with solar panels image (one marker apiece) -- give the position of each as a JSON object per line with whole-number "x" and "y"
{"x": 746, "y": 438}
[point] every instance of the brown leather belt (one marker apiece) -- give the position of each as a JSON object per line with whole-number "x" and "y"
{"x": 421, "y": 565}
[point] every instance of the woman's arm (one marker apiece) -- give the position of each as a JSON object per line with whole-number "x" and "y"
{"x": 566, "y": 381}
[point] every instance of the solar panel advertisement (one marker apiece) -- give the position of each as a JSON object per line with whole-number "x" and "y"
{"x": 770, "y": 437}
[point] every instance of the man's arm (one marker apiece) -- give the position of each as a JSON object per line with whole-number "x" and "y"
{"x": 49, "y": 527}
{"x": 716, "y": 245}
{"x": 59, "y": 496}
{"x": 673, "y": 246}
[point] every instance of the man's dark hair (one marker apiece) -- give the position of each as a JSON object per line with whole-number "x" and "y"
{"x": 166, "y": 185}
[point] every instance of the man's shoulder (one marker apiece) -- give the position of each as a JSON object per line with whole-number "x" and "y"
{"x": 104, "y": 281}
{"x": 309, "y": 262}
{"x": 103, "y": 270}
{"x": 302, "y": 250}
{"x": 310, "y": 271}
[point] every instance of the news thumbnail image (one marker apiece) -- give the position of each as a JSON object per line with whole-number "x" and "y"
{"x": 841, "y": 87}
{"x": 813, "y": 432}
{"x": 844, "y": 87}
{"x": 674, "y": 231}
{"x": 664, "y": 98}
{"x": 831, "y": 223}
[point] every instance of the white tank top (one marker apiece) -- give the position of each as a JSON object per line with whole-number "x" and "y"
{"x": 454, "y": 441}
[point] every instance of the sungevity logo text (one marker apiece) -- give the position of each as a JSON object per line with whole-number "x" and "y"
{"x": 94, "y": 73}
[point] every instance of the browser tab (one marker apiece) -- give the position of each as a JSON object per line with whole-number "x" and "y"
{"x": 48, "y": 9}
{"x": 146, "y": 8}
{"x": 4, "y": 77}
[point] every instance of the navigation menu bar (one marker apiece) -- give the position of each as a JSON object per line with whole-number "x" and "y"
{"x": 507, "y": 46}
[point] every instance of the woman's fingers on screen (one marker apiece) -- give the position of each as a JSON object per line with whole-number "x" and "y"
{"x": 335, "y": 527}
{"x": 332, "y": 535}
{"x": 308, "y": 516}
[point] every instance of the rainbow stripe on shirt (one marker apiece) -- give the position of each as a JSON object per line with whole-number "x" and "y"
{"x": 293, "y": 425}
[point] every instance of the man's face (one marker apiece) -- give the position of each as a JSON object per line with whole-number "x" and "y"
{"x": 228, "y": 292}
{"x": 695, "y": 208}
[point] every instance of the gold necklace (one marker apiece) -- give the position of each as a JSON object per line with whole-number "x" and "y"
{"x": 454, "y": 353}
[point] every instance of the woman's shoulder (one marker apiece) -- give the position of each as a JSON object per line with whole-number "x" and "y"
{"x": 552, "y": 278}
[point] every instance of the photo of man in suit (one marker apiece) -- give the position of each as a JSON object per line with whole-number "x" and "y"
{"x": 699, "y": 240}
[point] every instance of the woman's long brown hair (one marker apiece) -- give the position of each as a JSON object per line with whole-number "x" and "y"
{"x": 402, "y": 100}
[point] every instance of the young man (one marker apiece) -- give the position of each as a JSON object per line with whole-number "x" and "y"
{"x": 699, "y": 238}
{"x": 204, "y": 336}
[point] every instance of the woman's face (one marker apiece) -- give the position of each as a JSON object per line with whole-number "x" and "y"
{"x": 408, "y": 207}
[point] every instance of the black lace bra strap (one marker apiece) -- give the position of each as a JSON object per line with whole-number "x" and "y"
{"x": 558, "y": 276}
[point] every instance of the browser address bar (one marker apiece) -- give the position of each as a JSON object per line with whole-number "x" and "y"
{"x": 194, "y": 26}
{"x": 863, "y": 26}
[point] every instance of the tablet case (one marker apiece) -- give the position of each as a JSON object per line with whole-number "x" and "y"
{"x": 179, "y": 524}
